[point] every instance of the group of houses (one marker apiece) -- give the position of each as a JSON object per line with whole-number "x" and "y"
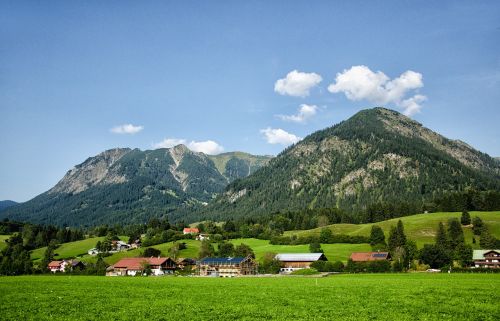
{"x": 117, "y": 246}
{"x": 226, "y": 266}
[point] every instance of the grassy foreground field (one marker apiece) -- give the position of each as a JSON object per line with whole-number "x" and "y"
{"x": 341, "y": 297}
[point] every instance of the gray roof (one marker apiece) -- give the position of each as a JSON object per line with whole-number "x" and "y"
{"x": 299, "y": 257}
{"x": 479, "y": 254}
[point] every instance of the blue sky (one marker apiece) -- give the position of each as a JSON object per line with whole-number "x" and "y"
{"x": 207, "y": 74}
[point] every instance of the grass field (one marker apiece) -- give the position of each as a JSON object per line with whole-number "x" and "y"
{"x": 420, "y": 228}
{"x": 3, "y": 238}
{"x": 71, "y": 249}
{"x": 413, "y": 296}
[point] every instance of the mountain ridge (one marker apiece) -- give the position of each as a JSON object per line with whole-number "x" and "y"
{"x": 129, "y": 185}
{"x": 377, "y": 155}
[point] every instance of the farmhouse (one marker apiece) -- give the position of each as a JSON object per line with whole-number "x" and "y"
{"x": 119, "y": 246}
{"x": 133, "y": 266}
{"x": 297, "y": 261}
{"x": 369, "y": 256}
{"x": 185, "y": 263}
{"x": 61, "y": 266}
{"x": 190, "y": 230}
{"x": 227, "y": 266}
{"x": 489, "y": 259}
{"x": 57, "y": 266}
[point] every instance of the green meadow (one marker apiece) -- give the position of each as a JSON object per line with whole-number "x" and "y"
{"x": 420, "y": 228}
{"x": 411, "y": 296}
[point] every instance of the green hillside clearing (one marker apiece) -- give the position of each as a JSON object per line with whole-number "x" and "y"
{"x": 420, "y": 228}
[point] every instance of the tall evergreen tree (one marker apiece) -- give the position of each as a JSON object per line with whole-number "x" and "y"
{"x": 465, "y": 218}
{"x": 377, "y": 235}
{"x": 442, "y": 237}
{"x": 455, "y": 233}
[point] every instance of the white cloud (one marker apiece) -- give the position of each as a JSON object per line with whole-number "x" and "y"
{"x": 126, "y": 129}
{"x": 413, "y": 105}
{"x": 297, "y": 83}
{"x": 360, "y": 83}
{"x": 305, "y": 112}
{"x": 208, "y": 147}
{"x": 279, "y": 136}
{"x": 169, "y": 142}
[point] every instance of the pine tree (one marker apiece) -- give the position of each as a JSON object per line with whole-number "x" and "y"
{"x": 465, "y": 218}
{"x": 455, "y": 233}
{"x": 442, "y": 237}
{"x": 377, "y": 235}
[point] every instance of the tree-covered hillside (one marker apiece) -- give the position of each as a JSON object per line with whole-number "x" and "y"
{"x": 121, "y": 186}
{"x": 378, "y": 155}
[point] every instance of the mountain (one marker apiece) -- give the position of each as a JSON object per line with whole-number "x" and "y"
{"x": 6, "y": 204}
{"x": 125, "y": 185}
{"x": 236, "y": 165}
{"x": 378, "y": 155}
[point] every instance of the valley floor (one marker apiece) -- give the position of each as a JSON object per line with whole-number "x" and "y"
{"x": 412, "y": 296}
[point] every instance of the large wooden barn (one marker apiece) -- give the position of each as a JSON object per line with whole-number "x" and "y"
{"x": 297, "y": 261}
{"x": 227, "y": 266}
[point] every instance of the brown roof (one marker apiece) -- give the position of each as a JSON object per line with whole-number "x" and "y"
{"x": 191, "y": 230}
{"x": 55, "y": 264}
{"x": 369, "y": 256}
{"x": 136, "y": 263}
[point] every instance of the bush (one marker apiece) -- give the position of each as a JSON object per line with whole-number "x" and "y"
{"x": 305, "y": 272}
{"x": 151, "y": 251}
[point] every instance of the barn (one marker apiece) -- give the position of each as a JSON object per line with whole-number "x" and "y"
{"x": 297, "y": 261}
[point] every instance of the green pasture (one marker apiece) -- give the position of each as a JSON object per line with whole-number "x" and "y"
{"x": 420, "y": 228}
{"x": 3, "y": 238}
{"x": 412, "y": 296}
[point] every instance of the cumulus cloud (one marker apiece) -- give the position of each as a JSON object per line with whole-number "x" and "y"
{"x": 208, "y": 147}
{"x": 279, "y": 136}
{"x": 126, "y": 129}
{"x": 413, "y": 105}
{"x": 297, "y": 83}
{"x": 304, "y": 113}
{"x": 360, "y": 83}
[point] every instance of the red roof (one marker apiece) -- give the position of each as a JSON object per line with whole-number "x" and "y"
{"x": 136, "y": 263}
{"x": 55, "y": 264}
{"x": 369, "y": 256}
{"x": 191, "y": 230}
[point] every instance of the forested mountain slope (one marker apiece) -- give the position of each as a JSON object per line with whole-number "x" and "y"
{"x": 122, "y": 186}
{"x": 378, "y": 155}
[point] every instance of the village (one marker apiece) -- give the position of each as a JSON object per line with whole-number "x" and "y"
{"x": 289, "y": 263}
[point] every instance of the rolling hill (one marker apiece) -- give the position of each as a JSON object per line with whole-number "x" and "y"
{"x": 378, "y": 155}
{"x": 130, "y": 186}
{"x": 420, "y": 228}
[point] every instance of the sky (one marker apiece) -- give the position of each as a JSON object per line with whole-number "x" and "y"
{"x": 80, "y": 77}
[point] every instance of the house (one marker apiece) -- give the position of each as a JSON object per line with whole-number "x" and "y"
{"x": 191, "y": 230}
{"x": 57, "y": 266}
{"x": 93, "y": 251}
{"x": 202, "y": 237}
{"x": 75, "y": 264}
{"x": 369, "y": 256}
{"x": 297, "y": 261}
{"x": 61, "y": 266}
{"x": 227, "y": 266}
{"x": 185, "y": 263}
{"x": 119, "y": 246}
{"x": 136, "y": 244}
{"x": 133, "y": 266}
{"x": 489, "y": 259}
